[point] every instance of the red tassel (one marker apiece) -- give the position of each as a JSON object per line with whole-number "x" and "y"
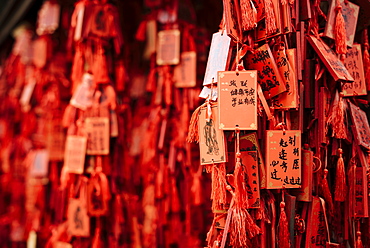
{"x": 325, "y": 192}
{"x": 366, "y": 58}
{"x": 340, "y": 179}
{"x": 336, "y": 118}
{"x": 340, "y": 31}
{"x": 358, "y": 240}
{"x": 243, "y": 227}
{"x": 193, "y": 134}
{"x": 218, "y": 193}
{"x": 270, "y": 17}
{"x": 283, "y": 230}
{"x": 249, "y": 15}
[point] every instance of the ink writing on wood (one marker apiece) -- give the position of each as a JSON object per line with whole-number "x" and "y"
{"x": 249, "y": 142}
{"x": 268, "y": 74}
{"x": 237, "y": 99}
{"x": 361, "y": 125}
{"x": 97, "y": 129}
{"x": 354, "y": 65}
{"x": 283, "y": 159}
{"x": 336, "y": 68}
{"x": 250, "y": 164}
{"x": 285, "y": 60}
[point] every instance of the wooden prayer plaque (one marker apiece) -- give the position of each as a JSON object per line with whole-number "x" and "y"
{"x": 316, "y": 230}
{"x": 77, "y": 218}
{"x": 55, "y": 140}
{"x": 185, "y": 73}
{"x": 354, "y": 65}
{"x": 249, "y": 142}
{"x": 336, "y": 68}
{"x": 268, "y": 73}
{"x": 168, "y": 47}
{"x": 286, "y": 64}
{"x": 96, "y": 204}
{"x": 350, "y": 14}
{"x": 211, "y": 138}
{"x": 97, "y": 129}
{"x": 83, "y": 96}
{"x": 233, "y": 19}
{"x": 74, "y": 156}
{"x": 217, "y": 58}
{"x": 358, "y": 192}
{"x": 283, "y": 159}
{"x": 249, "y": 160}
{"x": 361, "y": 124}
{"x": 237, "y": 100}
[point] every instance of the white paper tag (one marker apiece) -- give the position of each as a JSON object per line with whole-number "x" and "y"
{"x": 83, "y": 97}
{"x": 217, "y": 58}
{"x": 207, "y": 91}
{"x": 40, "y": 164}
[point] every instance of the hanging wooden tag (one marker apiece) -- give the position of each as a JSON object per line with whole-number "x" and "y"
{"x": 283, "y": 159}
{"x": 78, "y": 220}
{"x": 249, "y": 142}
{"x": 74, "y": 156}
{"x": 96, "y": 202}
{"x": 354, "y": 65}
{"x": 268, "y": 73}
{"x": 323, "y": 108}
{"x": 39, "y": 163}
{"x": 185, "y": 73}
{"x": 233, "y": 19}
{"x": 55, "y": 139}
{"x": 217, "y": 58}
{"x": 211, "y": 139}
{"x": 336, "y": 68}
{"x": 83, "y": 96}
{"x": 358, "y": 193}
{"x": 286, "y": 65}
{"x": 361, "y": 124}
{"x": 237, "y": 100}
{"x": 286, "y": 17}
{"x": 305, "y": 192}
{"x": 350, "y": 14}
{"x": 168, "y": 47}
{"x": 249, "y": 160}
{"x": 316, "y": 232}
{"x": 40, "y": 52}
{"x": 97, "y": 130}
